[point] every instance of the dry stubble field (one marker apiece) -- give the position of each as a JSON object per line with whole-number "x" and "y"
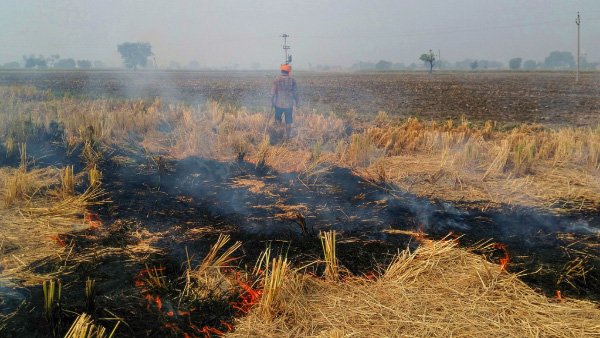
{"x": 121, "y": 190}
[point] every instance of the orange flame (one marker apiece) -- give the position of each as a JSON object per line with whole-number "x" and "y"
{"x": 559, "y": 295}
{"x": 248, "y": 299}
{"x": 158, "y": 303}
{"x": 503, "y": 260}
{"x": 229, "y": 326}
{"x": 371, "y": 275}
{"x": 59, "y": 241}
{"x": 92, "y": 219}
{"x": 154, "y": 300}
{"x": 207, "y": 330}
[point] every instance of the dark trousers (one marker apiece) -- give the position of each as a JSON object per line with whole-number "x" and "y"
{"x": 286, "y": 111}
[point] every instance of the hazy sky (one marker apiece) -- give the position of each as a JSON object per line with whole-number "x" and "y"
{"x": 227, "y": 32}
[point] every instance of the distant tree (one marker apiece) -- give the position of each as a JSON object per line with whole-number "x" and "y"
{"x": 383, "y": 65}
{"x": 135, "y": 54}
{"x": 98, "y": 64}
{"x": 33, "y": 61}
{"x": 515, "y": 63}
{"x": 52, "y": 60}
{"x": 194, "y": 64}
{"x": 428, "y": 58}
{"x": 11, "y": 65}
{"x": 65, "y": 64}
{"x": 559, "y": 60}
{"x": 84, "y": 64}
{"x": 529, "y": 64}
{"x": 474, "y": 65}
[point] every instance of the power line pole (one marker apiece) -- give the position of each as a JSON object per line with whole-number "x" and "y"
{"x": 578, "y": 23}
{"x": 286, "y": 48}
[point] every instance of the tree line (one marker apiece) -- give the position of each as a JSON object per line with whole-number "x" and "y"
{"x": 136, "y": 54}
{"x": 53, "y": 61}
{"x": 556, "y": 60}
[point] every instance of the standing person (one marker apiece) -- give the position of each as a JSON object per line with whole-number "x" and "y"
{"x": 284, "y": 97}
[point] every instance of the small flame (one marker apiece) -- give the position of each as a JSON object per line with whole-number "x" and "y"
{"x": 154, "y": 300}
{"x": 93, "y": 220}
{"x": 503, "y": 260}
{"x": 559, "y": 295}
{"x": 158, "y": 302}
{"x": 371, "y": 275}
{"x": 207, "y": 330}
{"x": 229, "y": 326}
{"x": 248, "y": 299}
{"x": 59, "y": 241}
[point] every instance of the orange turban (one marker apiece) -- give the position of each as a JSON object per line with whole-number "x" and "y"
{"x": 286, "y": 68}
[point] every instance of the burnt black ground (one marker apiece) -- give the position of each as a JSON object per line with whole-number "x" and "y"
{"x": 178, "y": 196}
{"x": 359, "y": 211}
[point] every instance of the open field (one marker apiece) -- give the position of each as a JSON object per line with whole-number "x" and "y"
{"x": 168, "y": 204}
{"x": 506, "y": 97}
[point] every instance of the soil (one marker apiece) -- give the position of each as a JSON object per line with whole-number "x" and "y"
{"x": 552, "y": 98}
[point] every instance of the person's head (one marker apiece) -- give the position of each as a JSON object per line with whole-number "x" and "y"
{"x": 285, "y": 69}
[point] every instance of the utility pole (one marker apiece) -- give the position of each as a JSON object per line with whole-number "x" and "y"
{"x": 288, "y": 59}
{"x": 440, "y": 59}
{"x": 578, "y": 23}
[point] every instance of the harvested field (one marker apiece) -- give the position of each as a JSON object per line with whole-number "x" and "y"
{"x": 506, "y": 97}
{"x": 138, "y": 201}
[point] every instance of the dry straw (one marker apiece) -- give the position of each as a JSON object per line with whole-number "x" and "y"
{"x": 328, "y": 239}
{"x": 437, "y": 290}
{"x": 215, "y": 261}
{"x": 68, "y": 181}
{"x": 94, "y": 176}
{"x": 207, "y": 280}
{"x": 84, "y": 327}
{"x": 273, "y": 280}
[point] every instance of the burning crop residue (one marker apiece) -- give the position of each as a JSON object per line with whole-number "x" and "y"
{"x": 195, "y": 191}
{"x": 195, "y": 311}
{"x": 92, "y": 219}
{"x": 506, "y": 258}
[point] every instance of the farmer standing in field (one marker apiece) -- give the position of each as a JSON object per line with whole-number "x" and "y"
{"x": 284, "y": 97}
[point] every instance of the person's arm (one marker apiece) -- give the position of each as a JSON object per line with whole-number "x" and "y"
{"x": 274, "y": 93}
{"x": 295, "y": 93}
